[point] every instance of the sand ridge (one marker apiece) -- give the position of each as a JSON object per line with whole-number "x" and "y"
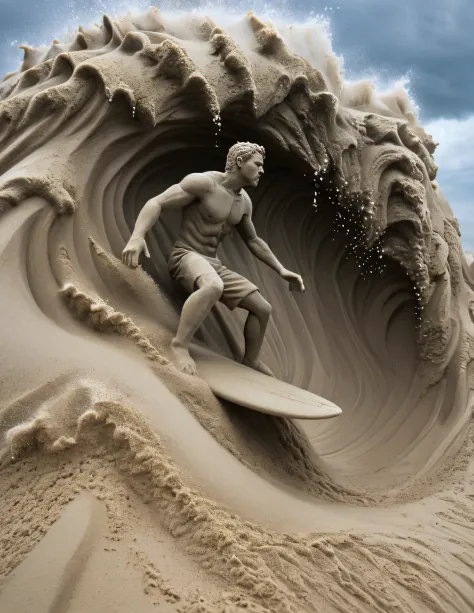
{"x": 115, "y": 454}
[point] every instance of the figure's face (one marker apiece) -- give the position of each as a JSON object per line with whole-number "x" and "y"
{"x": 251, "y": 169}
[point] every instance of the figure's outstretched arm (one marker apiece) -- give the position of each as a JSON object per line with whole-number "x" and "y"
{"x": 257, "y": 245}
{"x": 177, "y": 196}
{"x": 262, "y": 251}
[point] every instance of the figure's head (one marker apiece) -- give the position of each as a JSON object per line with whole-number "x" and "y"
{"x": 247, "y": 160}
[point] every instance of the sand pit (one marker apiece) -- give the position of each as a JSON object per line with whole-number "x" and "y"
{"x": 126, "y": 485}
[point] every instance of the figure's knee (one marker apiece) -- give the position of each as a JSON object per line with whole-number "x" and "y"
{"x": 211, "y": 285}
{"x": 261, "y": 307}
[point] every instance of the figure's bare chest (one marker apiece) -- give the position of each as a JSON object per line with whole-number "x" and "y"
{"x": 221, "y": 206}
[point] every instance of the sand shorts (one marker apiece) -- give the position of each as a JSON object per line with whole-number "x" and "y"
{"x": 186, "y": 266}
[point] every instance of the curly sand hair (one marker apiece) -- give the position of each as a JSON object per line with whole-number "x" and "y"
{"x": 244, "y": 151}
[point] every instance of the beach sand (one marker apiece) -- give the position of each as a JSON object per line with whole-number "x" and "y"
{"x": 125, "y": 484}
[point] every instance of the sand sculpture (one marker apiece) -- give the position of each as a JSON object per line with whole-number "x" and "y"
{"x": 125, "y": 484}
{"x": 213, "y": 204}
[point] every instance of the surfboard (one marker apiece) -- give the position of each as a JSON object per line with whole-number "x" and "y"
{"x": 254, "y": 390}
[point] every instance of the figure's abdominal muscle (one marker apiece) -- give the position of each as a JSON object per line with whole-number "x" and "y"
{"x": 201, "y": 235}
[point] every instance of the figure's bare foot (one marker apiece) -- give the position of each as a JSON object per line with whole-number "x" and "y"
{"x": 182, "y": 359}
{"x": 258, "y": 365}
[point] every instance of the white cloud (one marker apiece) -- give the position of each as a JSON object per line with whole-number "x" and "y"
{"x": 455, "y": 152}
{"x": 455, "y": 158}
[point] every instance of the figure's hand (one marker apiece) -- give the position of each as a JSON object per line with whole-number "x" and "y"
{"x": 132, "y": 251}
{"x": 295, "y": 281}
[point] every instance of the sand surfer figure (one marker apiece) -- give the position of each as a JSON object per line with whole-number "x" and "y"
{"x": 213, "y": 203}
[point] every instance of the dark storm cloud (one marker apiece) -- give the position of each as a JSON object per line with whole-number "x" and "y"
{"x": 431, "y": 40}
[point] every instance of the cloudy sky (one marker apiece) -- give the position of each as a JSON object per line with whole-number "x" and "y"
{"x": 429, "y": 41}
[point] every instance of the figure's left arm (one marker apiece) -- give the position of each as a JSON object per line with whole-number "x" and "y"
{"x": 262, "y": 251}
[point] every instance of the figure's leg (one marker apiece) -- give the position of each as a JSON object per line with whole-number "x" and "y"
{"x": 254, "y": 331}
{"x": 195, "y": 310}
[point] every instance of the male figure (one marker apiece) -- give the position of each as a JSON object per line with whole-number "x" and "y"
{"x": 213, "y": 203}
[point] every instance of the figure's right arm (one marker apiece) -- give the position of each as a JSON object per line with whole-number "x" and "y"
{"x": 177, "y": 196}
